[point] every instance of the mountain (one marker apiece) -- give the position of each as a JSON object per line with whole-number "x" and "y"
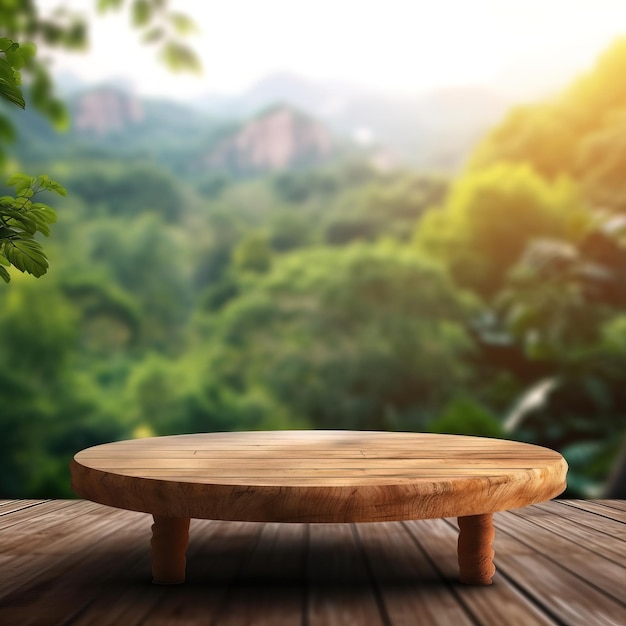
{"x": 279, "y": 138}
{"x": 431, "y": 130}
{"x": 283, "y": 122}
{"x": 105, "y": 111}
{"x": 111, "y": 123}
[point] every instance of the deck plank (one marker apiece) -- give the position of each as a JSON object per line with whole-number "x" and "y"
{"x": 504, "y": 604}
{"x": 32, "y": 547}
{"x": 8, "y": 506}
{"x": 131, "y": 599}
{"x": 88, "y": 574}
{"x": 546, "y": 574}
{"x": 269, "y": 589}
{"x": 412, "y": 589}
{"x": 78, "y": 563}
{"x": 340, "y": 589}
{"x": 18, "y": 505}
{"x": 567, "y": 553}
{"x": 24, "y": 515}
{"x": 613, "y": 504}
{"x": 54, "y": 580}
{"x": 217, "y": 552}
{"x": 598, "y": 508}
{"x": 602, "y": 533}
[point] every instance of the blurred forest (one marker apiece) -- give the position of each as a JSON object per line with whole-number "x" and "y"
{"x": 191, "y": 293}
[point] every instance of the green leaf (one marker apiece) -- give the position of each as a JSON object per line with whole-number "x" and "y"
{"x": 42, "y": 217}
{"x": 46, "y": 213}
{"x": 180, "y": 58}
{"x": 30, "y": 226}
{"x": 5, "y": 43}
{"x": 43, "y": 228}
{"x": 22, "y": 185}
{"x": 15, "y": 57}
{"x": 29, "y": 50}
{"x": 7, "y": 73}
{"x": 142, "y": 12}
{"x": 7, "y": 232}
{"x": 51, "y": 185}
{"x": 106, "y": 5}
{"x": 12, "y": 94}
{"x": 27, "y": 256}
{"x": 6, "y": 277}
{"x": 153, "y": 35}
{"x": 21, "y": 202}
{"x": 21, "y": 221}
{"x": 182, "y": 24}
{"x": 4, "y": 260}
{"x": 16, "y": 178}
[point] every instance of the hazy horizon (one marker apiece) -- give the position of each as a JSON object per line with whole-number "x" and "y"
{"x": 518, "y": 49}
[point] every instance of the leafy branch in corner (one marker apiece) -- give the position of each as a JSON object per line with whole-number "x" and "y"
{"x": 21, "y": 217}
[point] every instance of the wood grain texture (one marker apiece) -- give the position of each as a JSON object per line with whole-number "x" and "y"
{"x": 614, "y": 504}
{"x": 397, "y": 564}
{"x": 554, "y": 575}
{"x": 610, "y": 512}
{"x": 610, "y": 575}
{"x": 270, "y": 585}
{"x": 86, "y": 564}
{"x": 318, "y": 476}
{"x": 475, "y": 550}
{"x": 501, "y": 604}
{"x": 170, "y": 537}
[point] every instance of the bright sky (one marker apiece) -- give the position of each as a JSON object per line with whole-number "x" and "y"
{"x": 407, "y": 45}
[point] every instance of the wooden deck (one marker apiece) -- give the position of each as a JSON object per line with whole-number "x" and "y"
{"x": 75, "y": 562}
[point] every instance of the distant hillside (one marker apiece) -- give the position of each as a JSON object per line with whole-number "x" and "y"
{"x": 105, "y": 111}
{"x": 278, "y": 139}
{"x": 282, "y": 123}
{"x": 435, "y": 130}
{"x": 107, "y": 121}
{"x": 431, "y": 131}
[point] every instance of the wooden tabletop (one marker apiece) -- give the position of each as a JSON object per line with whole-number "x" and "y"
{"x": 318, "y": 476}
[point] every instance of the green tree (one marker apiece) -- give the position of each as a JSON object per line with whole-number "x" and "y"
{"x": 489, "y": 218}
{"x": 579, "y": 133}
{"x": 253, "y": 254}
{"x": 50, "y": 407}
{"x": 367, "y": 337}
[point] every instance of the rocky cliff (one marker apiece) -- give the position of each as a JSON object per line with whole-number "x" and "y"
{"x": 277, "y": 139}
{"x": 106, "y": 111}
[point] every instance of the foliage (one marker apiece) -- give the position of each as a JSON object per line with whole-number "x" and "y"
{"x": 129, "y": 189}
{"x": 580, "y": 133}
{"x": 185, "y": 300}
{"x": 365, "y": 338}
{"x": 253, "y": 253}
{"x": 20, "y": 218}
{"x": 12, "y": 59}
{"x": 463, "y": 416}
{"x": 489, "y": 218}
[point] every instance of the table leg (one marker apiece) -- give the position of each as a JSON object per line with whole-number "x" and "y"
{"x": 170, "y": 536}
{"x": 474, "y": 549}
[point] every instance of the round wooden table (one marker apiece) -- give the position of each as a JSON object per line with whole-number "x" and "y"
{"x": 318, "y": 476}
